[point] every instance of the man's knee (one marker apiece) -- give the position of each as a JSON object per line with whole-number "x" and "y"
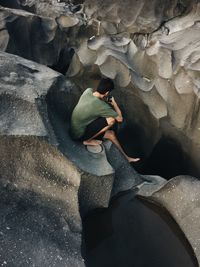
{"x": 110, "y": 134}
{"x": 110, "y": 121}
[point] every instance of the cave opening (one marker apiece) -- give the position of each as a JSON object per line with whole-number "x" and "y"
{"x": 10, "y": 4}
{"x": 166, "y": 159}
{"x": 64, "y": 60}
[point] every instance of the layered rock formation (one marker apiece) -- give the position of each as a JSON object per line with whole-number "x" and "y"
{"x": 39, "y": 32}
{"x": 151, "y": 51}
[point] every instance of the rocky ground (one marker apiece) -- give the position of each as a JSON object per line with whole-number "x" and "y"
{"x": 50, "y": 52}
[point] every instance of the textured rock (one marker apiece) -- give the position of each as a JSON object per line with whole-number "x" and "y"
{"x": 140, "y": 17}
{"x": 35, "y": 172}
{"x": 40, "y": 222}
{"x": 24, "y": 85}
{"x": 180, "y": 196}
{"x": 40, "y": 37}
{"x": 153, "y": 51}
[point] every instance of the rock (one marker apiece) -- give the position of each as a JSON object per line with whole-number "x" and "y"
{"x": 164, "y": 70}
{"x": 180, "y": 196}
{"x": 114, "y": 69}
{"x": 152, "y": 100}
{"x": 20, "y": 117}
{"x": 151, "y": 184}
{"x": 75, "y": 67}
{"x": 125, "y": 175}
{"x": 151, "y": 236}
{"x": 43, "y": 36}
{"x": 183, "y": 83}
{"x": 185, "y": 22}
{"x": 4, "y": 38}
{"x": 41, "y": 224}
{"x": 161, "y": 64}
{"x": 24, "y": 85}
{"x": 85, "y": 55}
{"x": 66, "y": 22}
{"x": 135, "y": 18}
{"x": 95, "y": 149}
{"x": 24, "y": 88}
{"x": 152, "y": 53}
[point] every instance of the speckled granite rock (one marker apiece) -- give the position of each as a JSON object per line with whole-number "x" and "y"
{"x": 152, "y": 53}
{"x": 35, "y": 177}
{"x": 180, "y": 196}
{"x": 24, "y": 85}
{"x": 40, "y": 220}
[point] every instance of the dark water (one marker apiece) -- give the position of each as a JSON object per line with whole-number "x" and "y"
{"x": 134, "y": 233}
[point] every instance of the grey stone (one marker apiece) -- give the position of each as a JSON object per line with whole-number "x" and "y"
{"x": 125, "y": 175}
{"x": 92, "y": 163}
{"x": 151, "y": 184}
{"x": 156, "y": 59}
{"x": 40, "y": 224}
{"x": 23, "y": 86}
{"x": 40, "y": 37}
{"x": 180, "y": 196}
{"x": 95, "y": 149}
{"x": 153, "y": 51}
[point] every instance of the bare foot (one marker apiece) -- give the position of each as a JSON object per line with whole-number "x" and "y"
{"x": 133, "y": 159}
{"x": 92, "y": 142}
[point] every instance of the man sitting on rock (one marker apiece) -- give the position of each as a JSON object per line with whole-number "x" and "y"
{"x": 94, "y": 115}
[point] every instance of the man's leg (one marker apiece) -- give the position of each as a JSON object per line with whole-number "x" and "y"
{"x": 109, "y": 134}
{"x": 92, "y": 141}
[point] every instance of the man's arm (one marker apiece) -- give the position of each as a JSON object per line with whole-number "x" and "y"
{"x": 119, "y": 118}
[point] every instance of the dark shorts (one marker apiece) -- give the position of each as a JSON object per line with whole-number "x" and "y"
{"x": 93, "y": 128}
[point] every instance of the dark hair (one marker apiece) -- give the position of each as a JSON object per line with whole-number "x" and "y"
{"x": 105, "y": 85}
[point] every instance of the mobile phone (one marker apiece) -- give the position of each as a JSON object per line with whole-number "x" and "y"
{"x": 109, "y": 98}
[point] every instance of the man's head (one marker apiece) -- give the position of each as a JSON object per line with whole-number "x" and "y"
{"x": 105, "y": 86}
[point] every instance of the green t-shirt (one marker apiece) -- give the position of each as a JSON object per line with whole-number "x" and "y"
{"x": 88, "y": 109}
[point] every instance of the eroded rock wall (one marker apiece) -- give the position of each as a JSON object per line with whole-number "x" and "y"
{"x": 152, "y": 53}
{"x": 39, "y": 31}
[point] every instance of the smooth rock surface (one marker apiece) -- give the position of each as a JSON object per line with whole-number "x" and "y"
{"x": 180, "y": 196}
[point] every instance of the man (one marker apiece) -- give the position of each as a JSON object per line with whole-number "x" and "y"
{"x": 93, "y": 117}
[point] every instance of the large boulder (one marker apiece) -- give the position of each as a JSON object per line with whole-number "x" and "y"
{"x": 40, "y": 224}
{"x": 135, "y": 232}
{"x": 35, "y": 177}
{"x": 24, "y": 85}
{"x": 180, "y": 197}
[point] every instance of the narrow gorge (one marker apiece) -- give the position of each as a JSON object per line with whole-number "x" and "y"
{"x": 65, "y": 205}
